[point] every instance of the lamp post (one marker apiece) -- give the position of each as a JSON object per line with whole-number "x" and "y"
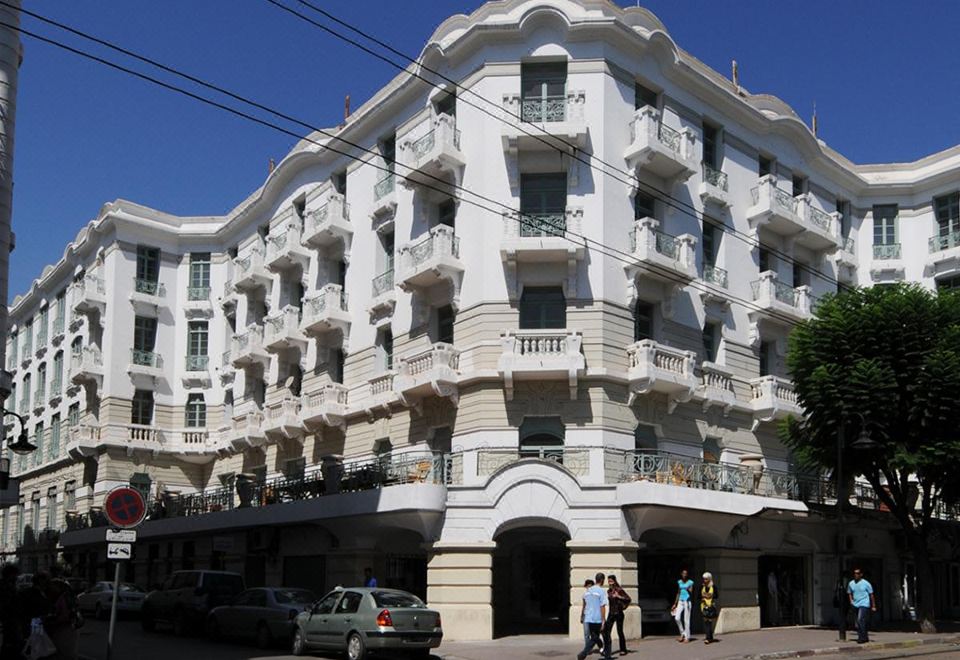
{"x": 862, "y": 442}
{"x": 21, "y": 447}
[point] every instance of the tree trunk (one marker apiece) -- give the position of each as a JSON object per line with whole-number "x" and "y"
{"x": 926, "y": 586}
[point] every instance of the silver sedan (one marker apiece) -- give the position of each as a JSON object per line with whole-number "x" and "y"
{"x": 264, "y": 614}
{"x": 97, "y": 599}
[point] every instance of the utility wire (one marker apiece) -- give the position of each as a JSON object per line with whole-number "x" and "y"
{"x": 538, "y": 225}
{"x": 634, "y": 181}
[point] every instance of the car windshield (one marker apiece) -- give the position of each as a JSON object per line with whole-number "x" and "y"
{"x": 396, "y": 599}
{"x": 223, "y": 583}
{"x": 294, "y": 596}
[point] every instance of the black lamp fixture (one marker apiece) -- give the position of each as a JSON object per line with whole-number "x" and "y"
{"x": 22, "y": 446}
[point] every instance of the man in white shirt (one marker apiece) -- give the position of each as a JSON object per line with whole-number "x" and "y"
{"x": 593, "y": 612}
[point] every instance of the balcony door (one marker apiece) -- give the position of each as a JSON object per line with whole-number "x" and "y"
{"x": 543, "y": 203}
{"x": 543, "y": 308}
{"x": 542, "y": 437}
{"x": 543, "y": 90}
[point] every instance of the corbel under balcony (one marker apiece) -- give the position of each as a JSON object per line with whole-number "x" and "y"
{"x": 282, "y": 418}
{"x": 541, "y": 355}
{"x": 434, "y": 371}
{"x": 654, "y": 367}
{"x": 246, "y": 432}
{"x": 537, "y": 238}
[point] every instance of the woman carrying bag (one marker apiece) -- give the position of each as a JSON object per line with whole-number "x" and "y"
{"x": 709, "y": 608}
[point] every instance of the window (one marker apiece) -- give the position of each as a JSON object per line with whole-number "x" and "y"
{"x": 295, "y": 468}
{"x": 199, "y": 276}
{"x": 43, "y": 324}
{"x": 445, "y": 317}
{"x": 196, "y": 411}
{"x": 25, "y": 395}
{"x": 644, "y": 206}
{"x": 764, "y": 260}
{"x": 644, "y": 96}
{"x": 342, "y": 273}
{"x": 142, "y": 408}
{"x": 711, "y": 147}
{"x": 350, "y": 603}
{"x": 843, "y": 212}
{"x": 76, "y": 346}
{"x": 388, "y": 151}
{"x": 385, "y": 349}
{"x": 38, "y": 441}
{"x": 144, "y": 334}
{"x": 325, "y": 606}
{"x": 446, "y": 105}
{"x": 764, "y": 165}
{"x": 799, "y": 184}
{"x": 542, "y": 437}
{"x": 55, "y": 425}
{"x": 765, "y": 350}
{"x": 70, "y": 496}
{"x": 197, "y": 345}
{"x": 447, "y": 213}
{"x": 73, "y": 414}
{"x": 711, "y": 341}
{"x": 339, "y": 181}
{"x": 335, "y": 369}
{"x": 711, "y": 450}
{"x": 12, "y": 352}
{"x": 645, "y": 438}
{"x": 35, "y": 512}
{"x": 52, "y": 507}
{"x": 947, "y": 209}
{"x": 61, "y": 312}
{"x": 56, "y": 385}
{"x": 41, "y": 384}
{"x": 711, "y": 242}
{"x": 642, "y": 321}
{"x": 801, "y": 274}
{"x": 543, "y": 89}
{"x": 948, "y": 283}
{"x": 386, "y": 247}
{"x": 543, "y": 308}
{"x": 28, "y": 338}
{"x": 148, "y": 269}
{"x": 543, "y": 203}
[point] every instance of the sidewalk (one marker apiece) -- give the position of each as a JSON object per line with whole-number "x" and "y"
{"x": 767, "y": 644}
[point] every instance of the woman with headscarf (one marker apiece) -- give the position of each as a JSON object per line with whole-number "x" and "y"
{"x": 709, "y": 609}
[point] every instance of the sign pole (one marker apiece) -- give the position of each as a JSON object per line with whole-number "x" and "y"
{"x": 113, "y": 609}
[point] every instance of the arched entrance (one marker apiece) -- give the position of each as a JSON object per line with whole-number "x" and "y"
{"x": 531, "y": 582}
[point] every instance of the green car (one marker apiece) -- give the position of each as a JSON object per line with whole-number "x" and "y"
{"x": 363, "y": 619}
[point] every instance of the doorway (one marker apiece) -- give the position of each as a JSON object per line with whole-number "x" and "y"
{"x": 531, "y": 582}
{"x": 782, "y": 586}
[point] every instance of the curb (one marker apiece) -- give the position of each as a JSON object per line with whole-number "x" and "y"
{"x": 858, "y": 648}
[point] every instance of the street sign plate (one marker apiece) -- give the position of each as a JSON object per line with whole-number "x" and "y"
{"x": 122, "y": 535}
{"x": 124, "y": 507}
{"x": 119, "y": 551}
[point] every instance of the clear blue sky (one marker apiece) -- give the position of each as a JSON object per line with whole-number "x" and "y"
{"x": 883, "y": 74}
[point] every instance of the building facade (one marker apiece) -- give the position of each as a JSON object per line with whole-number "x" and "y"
{"x": 487, "y": 339}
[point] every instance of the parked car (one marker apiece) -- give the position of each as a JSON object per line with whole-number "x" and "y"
{"x": 654, "y": 606}
{"x": 264, "y": 614}
{"x": 78, "y": 585}
{"x": 99, "y": 598}
{"x": 186, "y": 598}
{"x": 358, "y": 620}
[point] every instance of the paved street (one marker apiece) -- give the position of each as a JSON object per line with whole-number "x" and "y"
{"x": 133, "y": 643}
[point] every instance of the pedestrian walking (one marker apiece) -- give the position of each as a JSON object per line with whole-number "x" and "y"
{"x": 709, "y": 606}
{"x": 860, "y": 592}
{"x": 60, "y": 624}
{"x": 682, "y": 604}
{"x": 586, "y": 626}
{"x": 368, "y": 579}
{"x": 619, "y": 601}
{"x": 593, "y": 612}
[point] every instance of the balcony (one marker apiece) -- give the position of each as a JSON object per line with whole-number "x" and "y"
{"x": 714, "y": 188}
{"x": 383, "y": 295}
{"x": 380, "y": 394}
{"x": 433, "y": 155}
{"x": 433, "y": 371}
{"x": 145, "y": 363}
{"x": 433, "y": 258}
{"x": 197, "y": 303}
{"x": 247, "y": 348}
{"x": 284, "y": 249}
{"x": 384, "y": 197}
{"x": 821, "y": 229}
{"x": 538, "y": 238}
{"x": 41, "y": 344}
{"x": 249, "y": 272}
{"x": 228, "y": 300}
{"x": 89, "y": 295}
{"x": 654, "y": 367}
{"x": 83, "y": 441}
{"x": 943, "y": 254}
{"x": 718, "y": 280}
{"x": 227, "y": 372}
{"x": 56, "y": 391}
{"x": 778, "y": 301}
{"x": 329, "y": 224}
{"x": 282, "y": 331}
{"x": 663, "y": 257}
{"x": 772, "y": 398}
{"x": 541, "y": 355}
{"x": 716, "y": 388}
{"x": 148, "y": 292}
{"x": 326, "y": 312}
{"x": 887, "y": 264}
{"x": 196, "y": 371}
{"x": 659, "y": 149}
{"x": 196, "y": 446}
{"x": 327, "y": 406}
{"x": 544, "y": 123}
{"x": 246, "y": 431}
{"x": 87, "y": 367}
{"x": 59, "y": 330}
{"x": 39, "y": 400}
{"x": 283, "y": 418}
{"x": 792, "y": 217}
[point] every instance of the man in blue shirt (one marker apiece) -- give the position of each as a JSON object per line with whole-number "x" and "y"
{"x": 861, "y": 597}
{"x": 368, "y": 579}
{"x": 593, "y": 612}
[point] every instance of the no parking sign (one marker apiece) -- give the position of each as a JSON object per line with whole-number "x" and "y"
{"x": 124, "y": 507}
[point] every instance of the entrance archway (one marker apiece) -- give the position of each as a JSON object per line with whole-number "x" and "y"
{"x": 531, "y": 582}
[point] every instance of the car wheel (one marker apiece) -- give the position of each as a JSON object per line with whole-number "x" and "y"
{"x": 264, "y": 638}
{"x": 213, "y": 629}
{"x": 98, "y": 612}
{"x": 299, "y": 643}
{"x": 356, "y": 649}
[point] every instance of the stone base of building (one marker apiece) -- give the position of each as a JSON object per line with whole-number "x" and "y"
{"x": 738, "y": 619}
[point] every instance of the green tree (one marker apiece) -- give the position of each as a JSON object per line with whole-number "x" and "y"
{"x": 886, "y": 360}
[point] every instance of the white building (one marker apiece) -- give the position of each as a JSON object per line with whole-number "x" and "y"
{"x": 362, "y": 368}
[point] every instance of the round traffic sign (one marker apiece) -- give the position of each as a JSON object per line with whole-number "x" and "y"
{"x": 124, "y": 507}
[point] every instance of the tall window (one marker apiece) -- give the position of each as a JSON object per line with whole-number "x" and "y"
{"x": 73, "y": 414}
{"x": 711, "y": 341}
{"x": 543, "y": 203}
{"x": 56, "y": 385}
{"x": 388, "y": 150}
{"x": 42, "y": 326}
{"x": 543, "y": 89}
{"x": 335, "y": 369}
{"x": 38, "y": 439}
{"x": 801, "y": 274}
{"x": 947, "y": 209}
{"x": 711, "y": 242}
{"x": 447, "y": 213}
{"x": 199, "y": 276}
{"x": 35, "y": 512}
{"x": 55, "y": 429}
{"x": 642, "y": 321}
{"x": 76, "y": 346}
{"x": 711, "y": 147}
{"x": 711, "y": 450}
{"x": 645, "y": 438}
{"x": 148, "y": 269}
{"x": 385, "y": 349}
{"x": 41, "y": 384}
{"x": 196, "y": 411}
{"x": 799, "y": 184}
{"x": 445, "y": 318}
{"x": 764, "y": 260}
{"x": 339, "y": 181}
{"x": 885, "y": 224}
{"x": 25, "y": 395}
{"x": 70, "y": 496}
{"x": 387, "y": 249}
{"x": 197, "y": 345}
{"x": 843, "y": 212}
{"x": 765, "y": 351}
{"x": 52, "y": 507}
{"x": 764, "y": 165}
{"x": 141, "y": 409}
{"x": 644, "y": 96}
{"x": 28, "y": 338}
{"x": 543, "y": 308}
{"x": 61, "y": 312}
{"x": 644, "y": 205}
{"x": 446, "y": 105}
{"x": 144, "y": 340}
{"x": 542, "y": 437}
{"x": 12, "y": 352}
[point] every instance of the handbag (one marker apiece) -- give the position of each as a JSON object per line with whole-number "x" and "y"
{"x": 709, "y": 612}
{"x": 39, "y": 645}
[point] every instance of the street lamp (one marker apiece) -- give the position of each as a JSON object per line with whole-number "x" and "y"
{"x": 863, "y": 442}
{"x": 21, "y": 447}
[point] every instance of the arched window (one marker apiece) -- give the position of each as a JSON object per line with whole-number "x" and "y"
{"x": 196, "y": 412}
{"x": 542, "y": 437}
